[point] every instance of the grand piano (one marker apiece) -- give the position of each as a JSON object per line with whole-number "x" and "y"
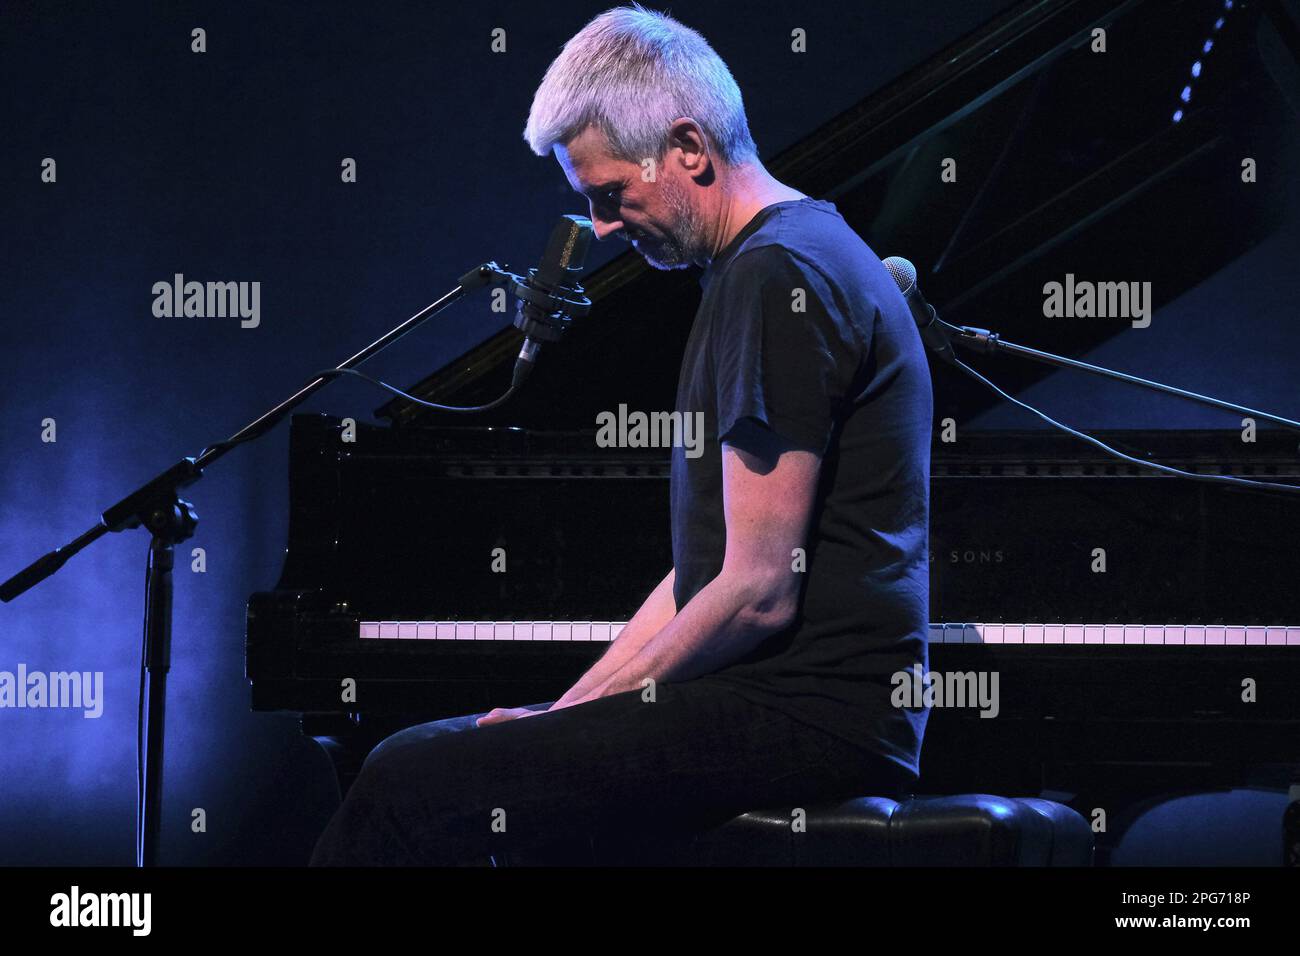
{"x": 1176, "y": 666}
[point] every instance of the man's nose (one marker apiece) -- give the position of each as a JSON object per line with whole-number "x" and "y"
{"x": 603, "y": 228}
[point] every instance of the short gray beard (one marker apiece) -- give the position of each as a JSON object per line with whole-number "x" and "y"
{"x": 685, "y": 243}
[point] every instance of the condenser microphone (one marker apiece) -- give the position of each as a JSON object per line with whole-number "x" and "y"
{"x": 550, "y": 298}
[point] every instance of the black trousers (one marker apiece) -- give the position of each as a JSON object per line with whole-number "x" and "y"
{"x": 617, "y": 771}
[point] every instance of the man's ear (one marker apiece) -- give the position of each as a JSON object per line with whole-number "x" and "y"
{"x": 686, "y": 136}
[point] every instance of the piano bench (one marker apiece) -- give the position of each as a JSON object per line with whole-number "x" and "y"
{"x": 965, "y": 830}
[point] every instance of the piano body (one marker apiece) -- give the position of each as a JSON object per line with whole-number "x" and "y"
{"x": 1113, "y": 684}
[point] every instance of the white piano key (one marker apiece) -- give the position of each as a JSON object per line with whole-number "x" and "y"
{"x": 939, "y": 633}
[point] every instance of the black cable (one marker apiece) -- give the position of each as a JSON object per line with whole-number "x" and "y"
{"x": 1224, "y": 479}
{"x": 139, "y": 759}
{"x": 519, "y": 376}
{"x": 460, "y": 409}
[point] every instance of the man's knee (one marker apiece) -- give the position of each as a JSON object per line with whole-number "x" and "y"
{"x": 419, "y": 734}
{"x": 422, "y": 733}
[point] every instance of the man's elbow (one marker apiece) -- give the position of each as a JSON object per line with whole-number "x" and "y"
{"x": 769, "y": 603}
{"x": 760, "y": 621}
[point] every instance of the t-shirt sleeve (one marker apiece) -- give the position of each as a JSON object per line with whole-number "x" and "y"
{"x": 786, "y": 353}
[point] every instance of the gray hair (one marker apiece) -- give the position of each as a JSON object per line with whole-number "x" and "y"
{"x": 631, "y": 72}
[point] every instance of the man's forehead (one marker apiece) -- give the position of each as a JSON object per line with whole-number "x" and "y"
{"x": 585, "y": 159}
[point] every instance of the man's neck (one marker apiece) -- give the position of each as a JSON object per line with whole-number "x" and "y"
{"x": 746, "y": 192}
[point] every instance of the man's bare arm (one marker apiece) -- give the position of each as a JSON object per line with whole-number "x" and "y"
{"x": 768, "y": 503}
{"x": 655, "y": 612}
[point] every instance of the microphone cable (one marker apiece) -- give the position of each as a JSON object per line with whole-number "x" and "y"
{"x": 1158, "y": 466}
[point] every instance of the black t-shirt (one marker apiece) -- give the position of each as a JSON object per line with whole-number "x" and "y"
{"x": 802, "y": 331}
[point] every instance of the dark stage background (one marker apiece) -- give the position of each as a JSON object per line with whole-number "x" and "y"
{"x": 225, "y": 166}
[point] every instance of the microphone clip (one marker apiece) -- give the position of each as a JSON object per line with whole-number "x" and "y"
{"x": 981, "y": 341}
{"x": 552, "y": 312}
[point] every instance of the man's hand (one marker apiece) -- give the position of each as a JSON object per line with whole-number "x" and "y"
{"x": 655, "y": 612}
{"x": 499, "y": 715}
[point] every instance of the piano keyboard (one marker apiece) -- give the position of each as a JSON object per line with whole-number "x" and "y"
{"x": 602, "y": 632}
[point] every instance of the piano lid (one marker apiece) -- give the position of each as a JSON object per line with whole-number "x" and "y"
{"x": 1067, "y": 160}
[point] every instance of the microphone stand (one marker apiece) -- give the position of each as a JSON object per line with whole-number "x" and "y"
{"x": 984, "y": 342}
{"x": 170, "y": 520}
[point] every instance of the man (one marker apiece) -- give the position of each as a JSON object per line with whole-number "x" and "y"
{"x": 758, "y": 673}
